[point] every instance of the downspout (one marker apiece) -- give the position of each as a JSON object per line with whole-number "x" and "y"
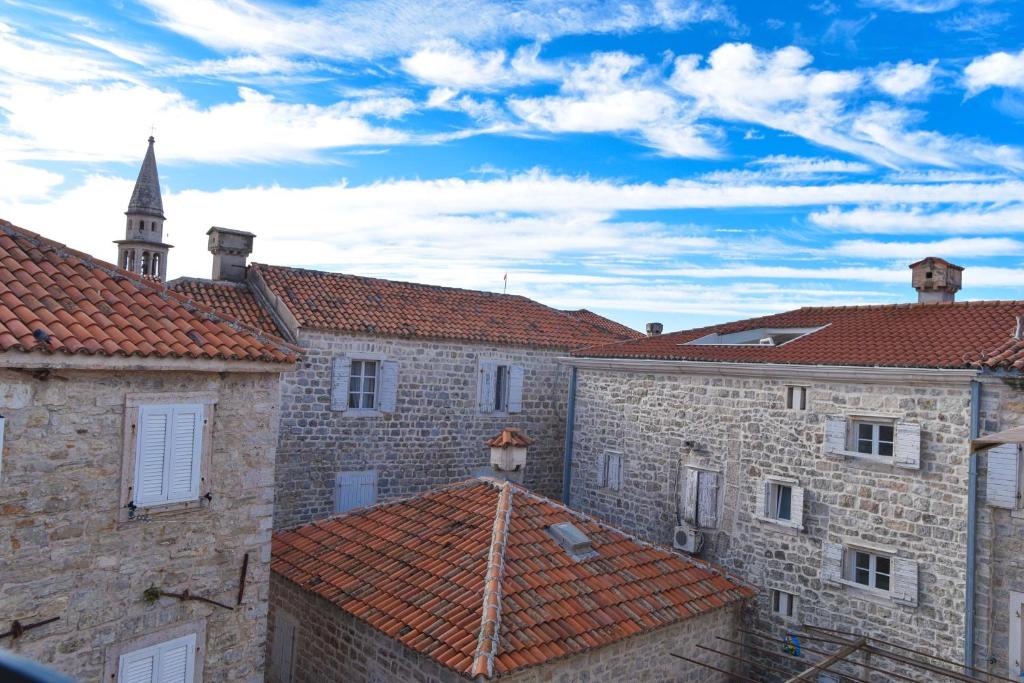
{"x": 972, "y": 523}
{"x": 570, "y": 423}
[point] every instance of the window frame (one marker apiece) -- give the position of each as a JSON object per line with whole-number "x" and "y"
{"x": 792, "y": 612}
{"x": 877, "y": 424}
{"x": 792, "y": 390}
{"x": 502, "y": 381}
{"x": 362, "y": 378}
{"x": 195, "y": 628}
{"x": 851, "y": 568}
{"x": 774, "y": 500}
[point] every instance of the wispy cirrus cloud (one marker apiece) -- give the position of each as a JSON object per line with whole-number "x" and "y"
{"x": 902, "y": 219}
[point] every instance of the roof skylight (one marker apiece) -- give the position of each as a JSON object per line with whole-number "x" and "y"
{"x": 761, "y": 336}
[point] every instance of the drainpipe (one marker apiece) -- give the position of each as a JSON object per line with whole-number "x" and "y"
{"x": 972, "y": 523}
{"x": 570, "y": 423}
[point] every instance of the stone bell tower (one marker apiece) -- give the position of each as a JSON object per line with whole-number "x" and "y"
{"x": 143, "y": 250}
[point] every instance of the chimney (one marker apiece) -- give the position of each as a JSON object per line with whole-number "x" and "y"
{"x": 936, "y": 280}
{"x": 654, "y": 329}
{"x": 1018, "y": 333}
{"x": 230, "y": 249}
{"x": 508, "y": 454}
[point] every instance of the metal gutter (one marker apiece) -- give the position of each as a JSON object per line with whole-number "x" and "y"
{"x": 972, "y": 523}
{"x": 570, "y": 424}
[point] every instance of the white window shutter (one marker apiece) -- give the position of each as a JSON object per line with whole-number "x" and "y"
{"x": 1002, "y": 486}
{"x": 797, "y": 507}
{"x": 355, "y": 490}
{"x": 904, "y": 581}
{"x": 282, "y": 655}
{"x": 515, "y": 388}
{"x": 602, "y": 470}
{"x": 614, "y": 471}
{"x": 831, "y": 563}
{"x": 153, "y": 444}
{"x": 488, "y": 370}
{"x": 835, "y": 435}
{"x": 388, "y": 386}
{"x": 185, "y": 453}
{"x": 138, "y": 667}
{"x": 689, "y": 496}
{"x": 761, "y": 500}
{"x": 169, "y": 662}
{"x": 907, "y": 449}
{"x": 341, "y": 371}
{"x": 707, "y": 506}
{"x": 176, "y": 661}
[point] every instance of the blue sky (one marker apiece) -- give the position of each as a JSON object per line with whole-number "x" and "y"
{"x": 687, "y": 161}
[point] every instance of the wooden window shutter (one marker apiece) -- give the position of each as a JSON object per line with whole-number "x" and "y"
{"x": 797, "y": 507}
{"x": 602, "y": 470}
{"x": 388, "y": 386}
{"x": 186, "y": 453}
{"x": 282, "y": 657}
{"x": 355, "y": 490}
{"x": 707, "y": 503}
{"x": 904, "y": 581}
{"x": 1002, "y": 485}
{"x": 169, "y": 662}
{"x": 761, "y": 499}
{"x": 341, "y": 371}
{"x": 615, "y": 471}
{"x": 176, "y": 661}
{"x": 515, "y": 388}
{"x": 138, "y": 667}
{"x": 488, "y": 370}
{"x": 691, "y": 478}
{"x": 835, "y": 435}
{"x": 907, "y": 449}
{"x": 153, "y": 444}
{"x": 831, "y": 563}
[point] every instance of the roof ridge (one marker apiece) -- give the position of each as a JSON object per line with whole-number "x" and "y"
{"x": 490, "y": 614}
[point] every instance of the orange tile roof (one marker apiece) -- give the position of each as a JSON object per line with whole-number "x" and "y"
{"x": 939, "y": 335}
{"x": 57, "y": 300}
{"x": 350, "y": 303}
{"x": 231, "y": 298}
{"x": 605, "y": 324}
{"x": 510, "y": 436}
{"x": 469, "y": 576}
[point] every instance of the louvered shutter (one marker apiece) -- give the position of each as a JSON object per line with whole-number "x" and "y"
{"x": 761, "y": 500}
{"x": 515, "y": 388}
{"x": 341, "y": 371}
{"x": 185, "y": 453}
{"x": 614, "y": 471}
{"x": 176, "y": 661}
{"x": 283, "y": 650}
{"x": 602, "y": 470}
{"x": 907, "y": 449}
{"x": 138, "y": 667}
{"x": 831, "y": 563}
{"x": 707, "y": 504}
{"x": 689, "y": 496}
{"x": 1002, "y": 486}
{"x": 169, "y": 662}
{"x": 355, "y": 490}
{"x": 388, "y": 386}
{"x": 904, "y": 581}
{"x": 797, "y": 507}
{"x": 151, "y": 461}
{"x": 488, "y": 370}
{"x": 835, "y": 435}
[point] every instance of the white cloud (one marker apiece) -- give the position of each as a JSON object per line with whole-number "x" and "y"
{"x": 27, "y": 183}
{"x": 999, "y": 69}
{"x": 447, "y": 63}
{"x": 921, "y": 220}
{"x": 956, "y": 247}
{"x": 23, "y": 59}
{"x": 905, "y": 79}
{"x": 919, "y": 6}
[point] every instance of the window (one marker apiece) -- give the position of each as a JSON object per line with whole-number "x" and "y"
{"x": 501, "y": 388}
{"x": 609, "y": 470}
{"x": 700, "y": 498}
{"x": 796, "y": 398}
{"x": 1003, "y": 480}
{"x": 172, "y": 661}
{"x": 282, "y": 648}
{"x": 168, "y": 454}
{"x": 362, "y": 388}
{"x": 873, "y": 438}
{"x": 783, "y": 603}
{"x": 354, "y": 490}
{"x": 869, "y": 569}
{"x": 780, "y": 502}
{"x": 1016, "y": 635}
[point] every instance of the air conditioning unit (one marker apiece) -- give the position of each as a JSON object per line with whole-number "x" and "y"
{"x": 688, "y": 539}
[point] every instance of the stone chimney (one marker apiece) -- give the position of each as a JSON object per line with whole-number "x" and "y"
{"x": 508, "y": 454}
{"x": 654, "y": 329}
{"x": 936, "y": 280}
{"x": 230, "y": 249}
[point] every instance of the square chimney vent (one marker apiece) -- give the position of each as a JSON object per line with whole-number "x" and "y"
{"x": 573, "y": 541}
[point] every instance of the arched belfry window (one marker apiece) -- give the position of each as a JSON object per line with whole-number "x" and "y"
{"x": 152, "y": 226}
{"x": 145, "y": 263}
{"x": 155, "y": 265}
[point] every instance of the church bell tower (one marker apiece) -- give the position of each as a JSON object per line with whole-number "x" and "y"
{"x": 143, "y": 250}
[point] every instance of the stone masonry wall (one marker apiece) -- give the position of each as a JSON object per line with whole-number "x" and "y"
{"x": 435, "y": 436}
{"x": 334, "y": 647}
{"x": 742, "y": 428}
{"x": 63, "y": 552}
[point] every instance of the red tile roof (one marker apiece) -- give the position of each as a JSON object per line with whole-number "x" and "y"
{"x": 605, "y": 324}
{"x": 939, "y": 335}
{"x": 433, "y": 572}
{"x": 57, "y": 300}
{"x": 231, "y": 298}
{"x": 510, "y": 436}
{"x": 350, "y": 303}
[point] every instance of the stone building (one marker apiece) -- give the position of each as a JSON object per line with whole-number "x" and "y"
{"x": 484, "y": 579}
{"x": 137, "y": 444}
{"x": 825, "y": 455}
{"x": 401, "y": 384}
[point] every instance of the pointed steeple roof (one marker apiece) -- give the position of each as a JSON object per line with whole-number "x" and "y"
{"x": 146, "y": 196}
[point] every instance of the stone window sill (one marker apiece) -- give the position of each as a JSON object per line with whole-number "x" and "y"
{"x": 873, "y": 594}
{"x": 152, "y": 512}
{"x": 780, "y": 525}
{"x": 361, "y": 412}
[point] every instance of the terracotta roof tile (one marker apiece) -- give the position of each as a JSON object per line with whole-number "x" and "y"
{"x": 231, "y": 298}
{"x": 605, "y": 324}
{"x": 349, "y": 303}
{"x": 939, "y": 335}
{"x": 57, "y": 300}
{"x": 548, "y": 605}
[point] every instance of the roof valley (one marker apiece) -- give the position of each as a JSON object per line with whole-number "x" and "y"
{"x": 490, "y": 617}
